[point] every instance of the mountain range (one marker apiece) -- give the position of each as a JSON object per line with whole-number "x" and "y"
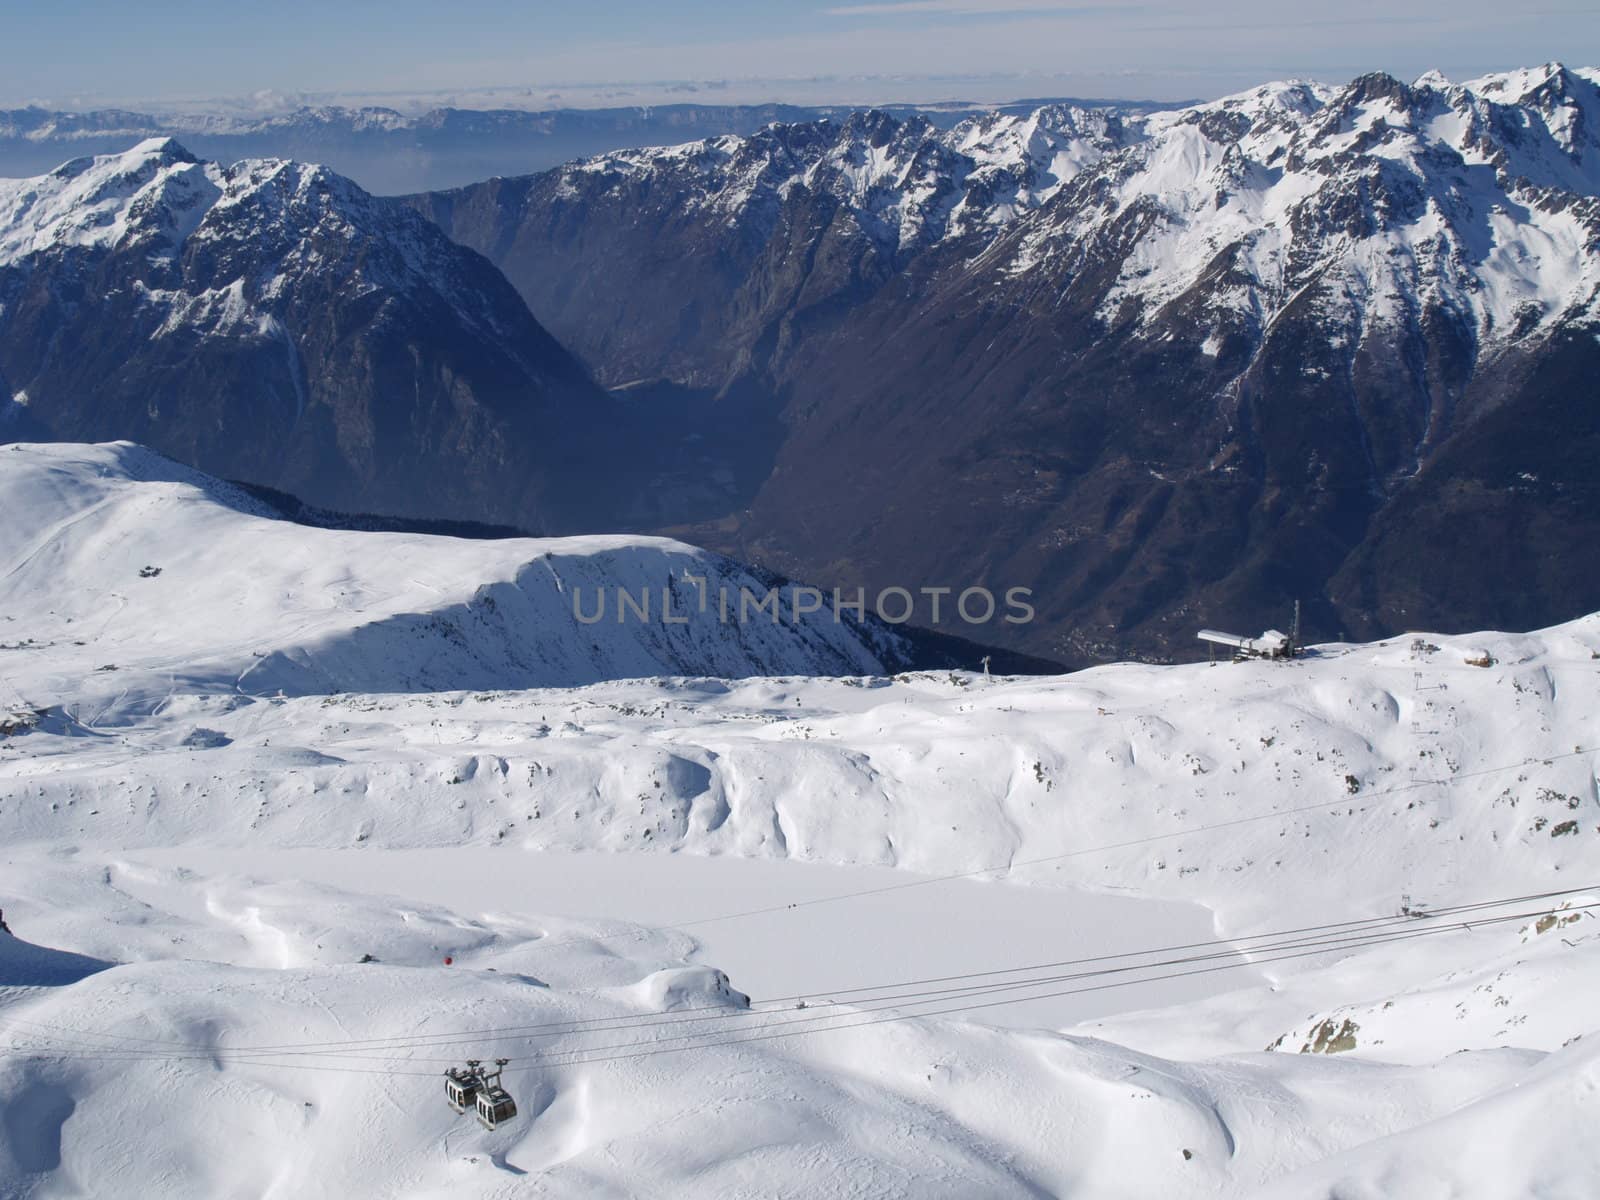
{"x": 1165, "y": 368}
{"x": 389, "y": 151}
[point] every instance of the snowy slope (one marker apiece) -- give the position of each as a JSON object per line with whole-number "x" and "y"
{"x": 1430, "y": 770}
{"x": 927, "y": 1109}
{"x": 1011, "y": 1113}
{"x": 1530, "y": 1140}
{"x": 1476, "y": 197}
{"x": 128, "y": 578}
{"x": 1340, "y": 783}
{"x": 908, "y": 183}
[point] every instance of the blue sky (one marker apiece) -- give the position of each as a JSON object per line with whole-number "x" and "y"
{"x": 77, "y": 53}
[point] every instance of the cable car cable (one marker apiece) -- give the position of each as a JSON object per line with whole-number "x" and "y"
{"x": 1230, "y": 947}
{"x": 718, "y": 1037}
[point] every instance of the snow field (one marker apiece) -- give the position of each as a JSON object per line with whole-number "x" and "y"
{"x": 195, "y": 866}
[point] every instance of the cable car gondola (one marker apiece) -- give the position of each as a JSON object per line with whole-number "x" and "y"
{"x": 461, "y": 1086}
{"x": 495, "y": 1105}
{"x": 473, "y": 1087}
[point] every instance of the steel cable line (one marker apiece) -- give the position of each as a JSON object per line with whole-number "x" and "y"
{"x": 707, "y": 1040}
{"x": 784, "y": 1029}
{"x": 957, "y": 1008}
{"x": 896, "y": 1002}
{"x": 1231, "y": 947}
{"x": 1288, "y": 950}
{"x": 1353, "y": 938}
{"x": 1238, "y": 943}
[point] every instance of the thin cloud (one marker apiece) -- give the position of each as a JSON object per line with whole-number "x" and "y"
{"x": 967, "y": 8}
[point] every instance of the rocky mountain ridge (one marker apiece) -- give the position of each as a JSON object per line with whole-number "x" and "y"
{"x": 273, "y": 323}
{"x": 390, "y": 151}
{"x": 1165, "y": 367}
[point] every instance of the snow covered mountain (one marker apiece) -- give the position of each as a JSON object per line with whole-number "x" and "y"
{"x": 388, "y": 151}
{"x": 131, "y": 579}
{"x": 236, "y": 906}
{"x": 780, "y": 227}
{"x": 1470, "y": 205}
{"x": 273, "y": 323}
{"x": 1193, "y": 364}
{"x": 1164, "y": 368}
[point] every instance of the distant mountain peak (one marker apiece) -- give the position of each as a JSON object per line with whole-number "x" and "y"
{"x": 167, "y": 150}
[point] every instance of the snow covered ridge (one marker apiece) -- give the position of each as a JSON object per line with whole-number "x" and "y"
{"x": 1482, "y": 199}
{"x": 911, "y": 184}
{"x": 1486, "y": 191}
{"x": 187, "y": 578}
{"x": 1320, "y": 790}
{"x": 159, "y": 200}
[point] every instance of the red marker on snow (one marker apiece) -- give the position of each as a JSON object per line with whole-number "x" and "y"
{"x": 448, "y": 960}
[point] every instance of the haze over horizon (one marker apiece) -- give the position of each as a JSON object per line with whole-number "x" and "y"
{"x": 177, "y": 54}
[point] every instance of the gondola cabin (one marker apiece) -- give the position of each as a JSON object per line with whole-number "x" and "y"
{"x": 495, "y": 1107}
{"x": 461, "y": 1088}
{"x": 473, "y": 1087}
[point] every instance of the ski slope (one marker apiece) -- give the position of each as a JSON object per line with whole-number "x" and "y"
{"x": 639, "y": 879}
